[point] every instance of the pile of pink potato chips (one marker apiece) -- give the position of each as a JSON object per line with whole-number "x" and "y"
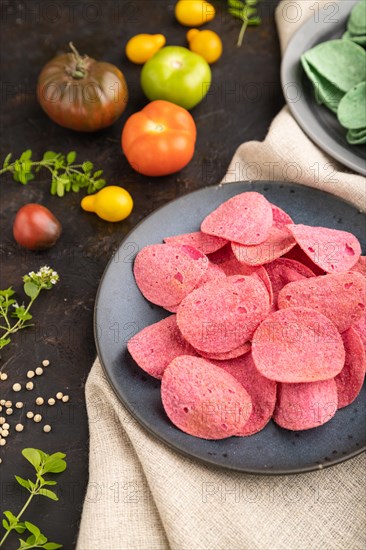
{"x": 268, "y": 321}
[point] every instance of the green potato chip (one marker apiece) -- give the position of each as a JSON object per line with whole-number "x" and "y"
{"x": 356, "y": 137}
{"x": 357, "y": 20}
{"x": 325, "y": 92}
{"x": 340, "y": 62}
{"x": 361, "y": 40}
{"x": 352, "y": 108}
{"x": 361, "y": 132}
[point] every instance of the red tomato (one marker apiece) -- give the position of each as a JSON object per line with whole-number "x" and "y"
{"x": 35, "y": 227}
{"x": 160, "y": 139}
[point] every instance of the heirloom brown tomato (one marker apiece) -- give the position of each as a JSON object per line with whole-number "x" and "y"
{"x": 160, "y": 139}
{"x": 81, "y": 93}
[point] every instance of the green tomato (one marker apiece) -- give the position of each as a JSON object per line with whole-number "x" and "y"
{"x": 178, "y": 75}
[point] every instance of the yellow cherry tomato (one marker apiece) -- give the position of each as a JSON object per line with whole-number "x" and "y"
{"x": 206, "y": 43}
{"x": 111, "y": 203}
{"x": 194, "y": 13}
{"x": 141, "y": 47}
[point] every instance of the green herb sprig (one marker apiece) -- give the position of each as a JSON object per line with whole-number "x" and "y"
{"x": 246, "y": 11}
{"x": 34, "y": 283}
{"x": 43, "y": 464}
{"x": 65, "y": 175}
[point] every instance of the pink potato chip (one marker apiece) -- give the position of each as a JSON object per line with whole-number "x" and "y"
{"x": 283, "y": 271}
{"x": 360, "y": 328}
{"x": 226, "y": 260}
{"x": 154, "y": 347}
{"x": 298, "y": 255}
{"x": 203, "y": 400}
{"x": 172, "y": 309}
{"x": 245, "y": 218}
{"x": 350, "y": 380}
{"x": 278, "y": 242}
{"x": 332, "y": 250}
{"x": 223, "y": 314}
{"x": 166, "y": 273}
{"x": 305, "y": 406}
{"x": 232, "y": 354}
{"x": 360, "y": 266}
{"x": 203, "y": 242}
{"x": 262, "y": 391}
{"x": 340, "y": 297}
{"x": 297, "y": 345}
{"x": 212, "y": 273}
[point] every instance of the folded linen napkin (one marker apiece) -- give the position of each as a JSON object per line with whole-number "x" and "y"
{"x": 144, "y": 496}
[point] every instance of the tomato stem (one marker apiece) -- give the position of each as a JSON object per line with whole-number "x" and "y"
{"x": 79, "y": 71}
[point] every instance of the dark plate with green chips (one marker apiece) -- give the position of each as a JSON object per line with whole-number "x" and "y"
{"x": 317, "y": 121}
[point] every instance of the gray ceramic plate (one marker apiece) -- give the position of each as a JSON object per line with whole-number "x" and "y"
{"x": 121, "y": 311}
{"x": 320, "y": 124}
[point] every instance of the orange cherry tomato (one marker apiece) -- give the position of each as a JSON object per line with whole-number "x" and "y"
{"x": 160, "y": 139}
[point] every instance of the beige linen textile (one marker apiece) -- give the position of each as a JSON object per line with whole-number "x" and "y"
{"x": 144, "y": 496}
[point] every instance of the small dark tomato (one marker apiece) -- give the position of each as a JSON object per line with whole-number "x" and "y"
{"x": 35, "y": 227}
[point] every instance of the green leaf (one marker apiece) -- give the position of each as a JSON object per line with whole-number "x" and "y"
{"x": 53, "y": 189}
{"x": 32, "y": 529}
{"x": 21, "y": 314}
{"x": 63, "y": 185}
{"x": 55, "y": 464}
{"x": 55, "y": 456}
{"x": 31, "y": 290}
{"x": 32, "y": 485}
{"x": 23, "y": 544}
{"x": 49, "y": 482}
{"x": 71, "y": 157}
{"x": 235, "y": 4}
{"x": 7, "y": 160}
{"x": 100, "y": 183}
{"x": 255, "y": 21}
{"x": 23, "y": 482}
{"x": 87, "y": 166}
{"x": 52, "y": 546}
{"x": 27, "y": 155}
{"x": 50, "y": 155}
{"x": 4, "y": 342}
{"x": 29, "y": 177}
{"x": 60, "y": 188}
{"x": 10, "y": 516}
{"x": 97, "y": 174}
{"x": 19, "y": 527}
{"x": 33, "y": 456}
{"x": 48, "y": 493}
{"x": 236, "y": 13}
{"x": 6, "y": 525}
{"x": 41, "y": 540}
{"x": 22, "y": 177}
{"x": 7, "y": 292}
{"x": 31, "y": 540}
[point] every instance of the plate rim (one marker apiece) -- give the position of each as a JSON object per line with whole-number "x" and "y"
{"x": 289, "y": 69}
{"x": 191, "y": 455}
